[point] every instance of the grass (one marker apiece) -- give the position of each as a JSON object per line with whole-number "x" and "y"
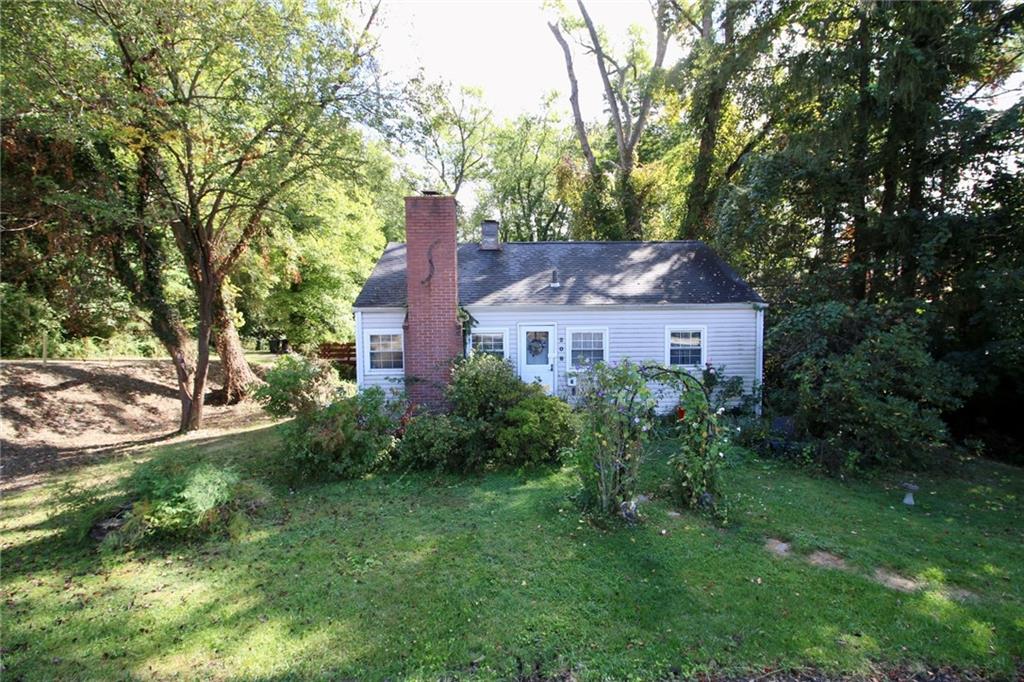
{"x": 418, "y": 576}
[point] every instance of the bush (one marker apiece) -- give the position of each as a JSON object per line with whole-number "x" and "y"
{"x": 535, "y": 430}
{"x": 865, "y": 387}
{"x": 435, "y": 441}
{"x": 347, "y": 439}
{"x": 506, "y": 421}
{"x": 483, "y": 386}
{"x": 171, "y": 500}
{"x": 298, "y": 385}
{"x": 696, "y": 479}
{"x": 617, "y": 406}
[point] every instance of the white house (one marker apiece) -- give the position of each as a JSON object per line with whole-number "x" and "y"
{"x": 549, "y": 308}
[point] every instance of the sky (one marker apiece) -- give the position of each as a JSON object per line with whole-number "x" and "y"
{"x": 503, "y": 47}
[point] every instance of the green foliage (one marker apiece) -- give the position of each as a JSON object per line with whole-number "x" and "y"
{"x": 617, "y": 413}
{"x": 170, "y": 499}
{"x": 618, "y": 410}
{"x": 349, "y": 438}
{"x": 301, "y": 286}
{"x": 297, "y": 385}
{"x": 696, "y": 464}
{"x": 866, "y": 387}
{"x": 507, "y": 422}
{"x": 521, "y": 182}
{"x": 25, "y": 321}
{"x": 535, "y": 430}
{"x": 483, "y": 387}
{"x": 435, "y": 441}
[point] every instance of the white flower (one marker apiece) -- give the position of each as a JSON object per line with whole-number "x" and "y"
{"x": 722, "y": 455}
{"x": 720, "y": 411}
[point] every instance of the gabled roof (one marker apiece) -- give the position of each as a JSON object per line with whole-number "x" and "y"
{"x": 590, "y": 273}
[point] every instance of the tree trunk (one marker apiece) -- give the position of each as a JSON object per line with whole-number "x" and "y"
{"x": 239, "y": 379}
{"x": 206, "y": 306}
{"x": 697, "y": 204}
{"x": 631, "y": 204}
{"x": 861, "y": 257}
{"x": 146, "y": 285}
{"x": 176, "y": 342}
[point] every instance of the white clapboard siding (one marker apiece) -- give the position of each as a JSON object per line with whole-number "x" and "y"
{"x": 374, "y": 322}
{"x": 634, "y": 332}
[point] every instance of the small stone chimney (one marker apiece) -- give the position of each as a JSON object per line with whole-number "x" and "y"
{"x": 489, "y": 239}
{"x": 433, "y": 333}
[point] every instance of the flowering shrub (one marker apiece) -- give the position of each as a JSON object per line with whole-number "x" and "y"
{"x": 617, "y": 405}
{"x": 617, "y": 411}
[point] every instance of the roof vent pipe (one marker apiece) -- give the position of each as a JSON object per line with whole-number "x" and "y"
{"x": 554, "y": 279}
{"x": 489, "y": 240}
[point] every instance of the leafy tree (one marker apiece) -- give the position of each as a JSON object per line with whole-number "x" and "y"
{"x": 300, "y": 283}
{"x": 522, "y": 181}
{"x": 449, "y": 129}
{"x": 229, "y": 107}
{"x": 630, "y": 83}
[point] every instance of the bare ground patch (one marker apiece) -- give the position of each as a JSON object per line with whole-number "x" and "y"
{"x": 827, "y": 560}
{"x": 883, "y": 576}
{"x": 65, "y": 414}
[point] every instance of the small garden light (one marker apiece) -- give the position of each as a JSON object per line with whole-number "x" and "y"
{"x": 908, "y": 499}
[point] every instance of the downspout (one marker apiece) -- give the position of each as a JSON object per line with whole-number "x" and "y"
{"x": 759, "y": 355}
{"x": 359, "y": 350}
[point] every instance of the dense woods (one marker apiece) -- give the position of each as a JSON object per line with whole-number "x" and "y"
{"x": 203, "y": 172}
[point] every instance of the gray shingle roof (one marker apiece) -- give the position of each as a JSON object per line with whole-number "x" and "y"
{"x": 591, "y": 273}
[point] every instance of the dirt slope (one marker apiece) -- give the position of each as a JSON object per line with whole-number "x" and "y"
{"x": 67, "y": 413}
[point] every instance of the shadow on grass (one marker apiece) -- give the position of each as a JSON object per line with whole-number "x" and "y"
{"x": 423, "y": 576}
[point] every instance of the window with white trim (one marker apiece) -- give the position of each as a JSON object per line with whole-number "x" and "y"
{"x": 587, "y": 347}
{"x": 684, "y": 347}
{"x": 385, "y": 351}
{"x": 488, "y": 342}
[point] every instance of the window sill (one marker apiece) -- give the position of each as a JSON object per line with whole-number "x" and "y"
{"x": 384, "y": 372}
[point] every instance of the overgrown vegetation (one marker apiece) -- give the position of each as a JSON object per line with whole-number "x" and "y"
{"x": 349, "y": 438}
{"x": 496, "y": 421}
{"x": 619, "y": 412}
{"x": 411, "y": 575}
{"x": 298, "y": 385}
{"x": 865, "y": 389}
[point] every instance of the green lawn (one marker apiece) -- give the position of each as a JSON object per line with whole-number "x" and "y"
{"x": 415, "y": 577}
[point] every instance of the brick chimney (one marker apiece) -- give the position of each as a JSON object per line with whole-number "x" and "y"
{"x": 433, "y": 333}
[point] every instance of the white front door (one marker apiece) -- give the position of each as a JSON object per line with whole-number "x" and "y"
{"x": 537, "y": 355}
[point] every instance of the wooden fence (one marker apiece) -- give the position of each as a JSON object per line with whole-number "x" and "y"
{"x": 344, "y": 353}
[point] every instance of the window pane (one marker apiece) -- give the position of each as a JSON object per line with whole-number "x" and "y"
{"x": 587, "y": 349}
{"x": 537, "y": 348}
{"x": 386, "y": 351}
{"x": 684, "y": 348}
{"x": 489, "y": 344}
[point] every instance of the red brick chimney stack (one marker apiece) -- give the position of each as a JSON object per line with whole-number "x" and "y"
{"x": 433, "y": 333}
